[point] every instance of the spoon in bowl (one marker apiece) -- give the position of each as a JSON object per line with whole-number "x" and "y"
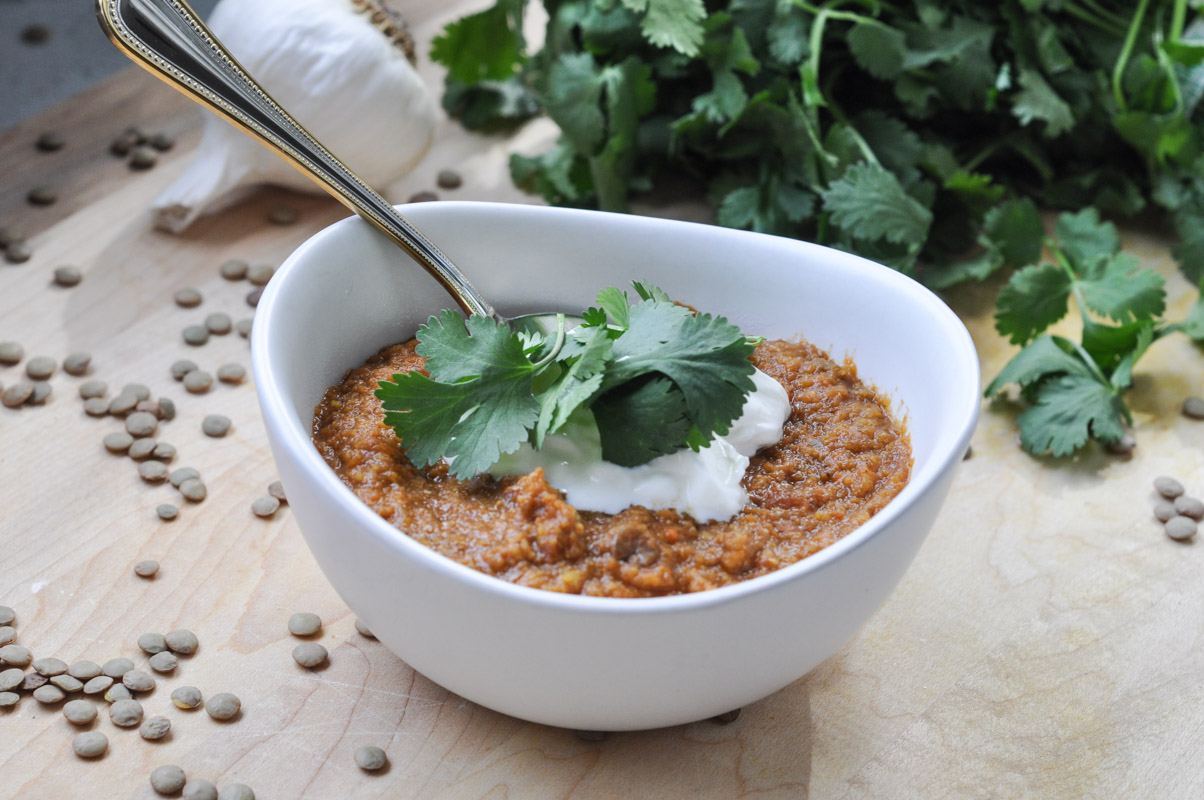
{"x": 168, "y": 39}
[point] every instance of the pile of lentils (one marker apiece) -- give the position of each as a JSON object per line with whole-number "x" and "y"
{"x": 1179, "y": 512}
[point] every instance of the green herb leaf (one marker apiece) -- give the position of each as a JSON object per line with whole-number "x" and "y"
{"x": 870, "y": 203}
{"x": 1067, "y": 411}
{"x": 1034, "y": 298}
{"x": 1041, "y": 358}
{"x": 1120, "y": 289}
{"x": 1038, "y": 101}
{"x": 486, "y": 46}
{"x": 878, "y": 49}
{"x": 641, "y": 420}
{"x": 576, "y": 386}
{"x": 671, "y": 23}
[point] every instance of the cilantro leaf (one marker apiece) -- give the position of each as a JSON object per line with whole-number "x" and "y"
{"x": 641, "y": 420}
{"x": 706, "y": 357}
{"x": 1037, "y": 100}
{"x": 614, "y": 302}
{"x": 870, "y": 203}
{"x": 1015, "y": 228}
{"x": 671, "y": 23}
{"x": 1120, "y": 289}
{"x": 576, "y": 386}
{"x": 1033, "y": 299}
{"x": 878, "y": 49}
{"x": 457, "y": 348}
{"x": 486, "y": 46}
{"x": 1084, "y": 239}
{"x": 1040, "y": 358}
{"x": 1067, "y": 411}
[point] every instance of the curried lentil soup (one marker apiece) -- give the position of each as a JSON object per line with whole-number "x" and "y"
{"x": 841, "y": 459}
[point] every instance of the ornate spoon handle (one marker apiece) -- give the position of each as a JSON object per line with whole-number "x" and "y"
{"x": 168, "y": 39}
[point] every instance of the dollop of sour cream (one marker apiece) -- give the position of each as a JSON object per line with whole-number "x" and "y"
{"x": 705, "y": 485}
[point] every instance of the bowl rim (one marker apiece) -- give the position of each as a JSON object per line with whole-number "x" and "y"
{"x": 297, "y": 439}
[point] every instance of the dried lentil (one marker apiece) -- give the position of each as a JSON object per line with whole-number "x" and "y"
{"x": 143, "y": 157}
{"x": 1193, "y": 407}
{"x": 138, "y": 681}
{"x": 122, "y": 404}
{"x": 118, "y": 442}
{"x": 182, "y": 367}
{"x": 7, "y": 615}
{"x": 167, "y": 512}
{"x": 182, "y": 474}
{"x": 155, "y": 728}
{"x": 141, "y": 423}
{"x": 304, "y": 623}
{"x": 260, "y": 274}
{"x": 18, "y": 252}
{"x": 84, "y": 670}
{"x": 79, "y": 712}
{"x": 243, "y": 326}
{"x": 187, "y": 297}
{"x": 1190, "y": 506}
{"x": 236, "y": 791}
{"x": 219, "y": 323}
{"x": 90, "y": 744}
{"x": 195, "y": 335}
{"x": 167, "y": 408}
{"x": 310, "y": 654}
{"x": 215, "y": 425}
{"x": 424, "y": 196}
{"x": 370, "y": 758}
{"x": 8, "y": 635}
{"x": 33, "y": 680}
{"x": 98, "y": 685}
{"x": 67, "y": 683}
{"x": 363, "y": 629}
{"x": 89, "y": 390}
{"x": 199, "y": 789}
{"x": 1180, "y": 528}
{"x": 116, "y": 667}
{"x": 77, "y": 363}
{"x": 182, "y": 641}
{"x": 142, "y": 448}
{"x": 118, "y": 692}
{"x": 253, "y": 296}
{"x": 39, "y": 368}
{"x": 167, "y": 779}
{"x": 138, "y": 390}
{"x": 162, "y": 142}
{"x": 126, "y": 713}
{"x": 16, "y": 395}
{"x": 41, "y": 393}
{"x": 164, "y": 662}
{"x": 194, "y": 490}
{"x": 50, "y": 666}
{"x": 9, "y": 699}
{"x": 152, "y": 643}
{"x": 265, "y": 506}
{"x": 42, "y": 195}
{"x": 152, "y": 471}
{"x": 198, "y": 381}
{"x": 96, "y": 407}
{"x": 231, "y": 373}
{"x": 49, "y": 141}
{"x": 448, "y": 179}
{"x": 11, "y": 353}
{"x": 68, "y": 276}
{"x": 1168, "y": 487}
{"x": 1164, "y": 510}
{"x": 11, "y": 678}
{"x": 49, "y": 694}
{"x": 186, "y": 697}
{"x": 223, "y": 706}
{"x": 15, "y": 655}
{"x": 276, "y": 489}
{"x": 234, "y": 269}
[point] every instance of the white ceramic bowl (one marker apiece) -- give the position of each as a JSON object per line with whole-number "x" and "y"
{"x": 604, "y": 663}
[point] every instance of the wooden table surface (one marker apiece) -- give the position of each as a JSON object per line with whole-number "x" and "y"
{"x": 1044, "y": 644}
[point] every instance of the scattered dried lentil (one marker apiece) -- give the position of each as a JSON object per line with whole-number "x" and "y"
{"x": 98, "y": 685}
{"x": 276, "y": 489}
{"x": 231, "y": 373}
{"x": 194, "y": 490}
{"x": 1164, "y": 510}
{"x": 118, "y": 692}
{"x": 116, "y": 667}
{"x": 67, "y": 683}
{"x": 143, "y": 157}
{"x": 11, "y": 353}
{"x": 182, "y": 641}
{"x": 1180, "y": 528}
{"x": 243, "y": 326}
{"x": 182, "y": 474}
{"x": 15, "y": 655}
{"x": 118, "y": 442}
{"x": 141, "y": 424}
{"x": 234, "y": 270}
{"x": 164, "y": 662}
{"x": 167, "y": 408}
{"x": 448, "y": 179}
{"x": 198, "y": 381}
{"x": 49, "y": 141}
{"x": 90, "y": 744}
{"x": 39, "y": 368}
{"x": 42, "y": 195}
{"x": 79, "y": 712}
{"x": 84, "y": 670}
{"x": 182, "y": 367}
{"x": 142, "y": 448}
{"x": 195, "y": 335}
{"x": 9, "y": 699}
{"x": 370, "y": 758}
{"x": 310, "y": 654}
{"x": 187, "y": 297}
{"x": 152, "y": 471}
{"x": 265, "y": 506}
{"x": 223, "y": 706}
{"x": 50, "y": 666}
{"x": 155, "y": 728}
{"x": 252, "y": 296}
{"x": 11, "y": 678}
{"x": 49, "y": 694}
{"x": 363, "y": 629}
{"x": 18, "y": 252}
{"x": 219, "y": 323}
{"x": 199, "y": 789}
{"x": 33, "y": 680}
{"x": 1193, "y": 407}
{"x": 1168, "y": 487}
{"x": 91, "y": 389}
{"x": 138, "y": 681}
{"x": 152, "y": 643}
{"x": 41, "y": 393}
{"x": 304, "y": 623}
{"x": 68, "y": 276}
{"x": 186, "y": 697}
{"x": 8, "y": 635}
{"x": 126, "y": 713}
{"x": 96, "y": 407}
{"x": 7, "y": 615}
{"x": 236, "y": 791}
{"x": 167, "y": 512}
{"x": 122, "y": 404}
{"x": 215, "y": 425}
{"x": 167, "y": 779}
{"x": 16, "y": 395}
{"x": 1189, "y": 506}
{"x": 424, "y": 196}
{"x": 162, "y": 142}
{"x": 260, "y": 274}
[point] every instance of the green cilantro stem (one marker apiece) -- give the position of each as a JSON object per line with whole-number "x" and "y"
{"x": 1126, "y": 52}
{"x": 1178, "y": 21}
{"x": 557, "y": 346}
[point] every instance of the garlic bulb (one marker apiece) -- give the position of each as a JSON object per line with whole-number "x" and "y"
{"x": 343, "y": 79}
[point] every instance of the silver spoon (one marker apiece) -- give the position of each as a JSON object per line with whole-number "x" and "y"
{"x": 167, "y": 38}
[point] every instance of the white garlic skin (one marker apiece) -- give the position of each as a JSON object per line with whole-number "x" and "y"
{"x": 340, "y": 78}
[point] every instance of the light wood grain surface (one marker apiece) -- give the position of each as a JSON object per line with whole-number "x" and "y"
{"x": 1044, "y": 644}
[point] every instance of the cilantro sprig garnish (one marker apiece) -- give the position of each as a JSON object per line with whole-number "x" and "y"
{"x": 656, "y": 376}
{"x": 1074, "y": 390}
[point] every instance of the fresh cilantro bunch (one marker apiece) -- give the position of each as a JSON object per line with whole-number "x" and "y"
{"x": 655, "y": 375}
{"x": 907, "y": 132}
{"x": 1074, "y": 389}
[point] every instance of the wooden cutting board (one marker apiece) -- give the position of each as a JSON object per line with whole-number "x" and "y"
{"x": 1044, "y": 643}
